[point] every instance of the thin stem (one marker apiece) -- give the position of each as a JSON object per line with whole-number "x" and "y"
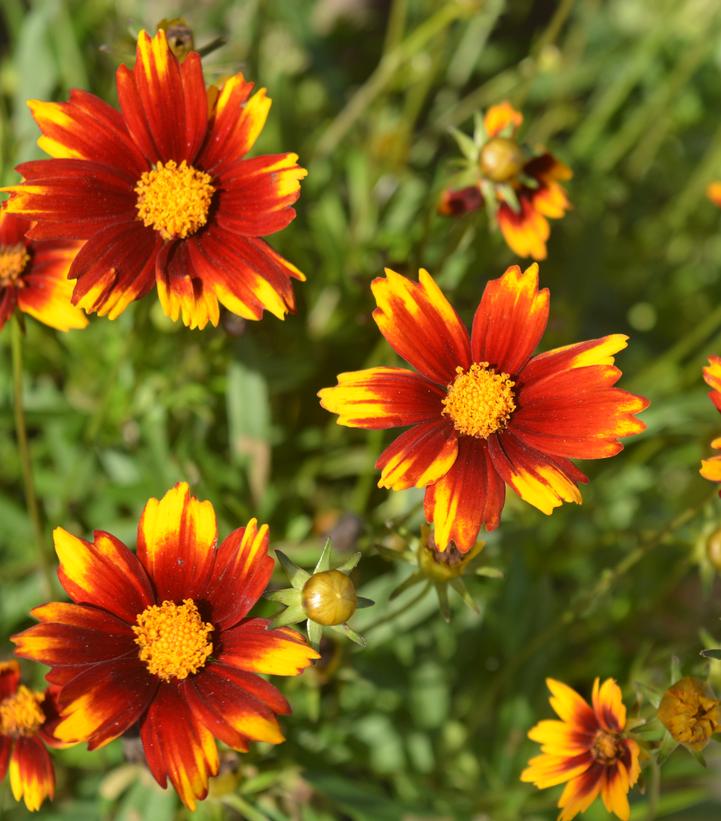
{"x": 392, "y": 615}
{"x": 31, "y": 501}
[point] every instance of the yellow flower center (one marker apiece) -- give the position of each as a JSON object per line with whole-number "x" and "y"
{"x": 174, "y": 199}
{"x": 20, "y": 713}
{"x": 13, "y": 259}
{"x": 605, "y": 747}
{"x": 479, "y": 401}
{"x": 173, "y": 639}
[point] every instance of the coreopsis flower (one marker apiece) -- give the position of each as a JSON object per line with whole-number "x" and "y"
{"x": 163, "y": 639}
{"x": 520, "y": 188}
{"x": 588, "y": 750}
{"x": 481, "y": 411}
{"x": 690, "y": 712}
{"x": 325, "y": 598}
{"x": 33, "y": 277}
{"x": 713, "y": 192}
{"x": 162, "y": 193}
{"x": 26, "y": 721}
{"x": 711, "y": 468}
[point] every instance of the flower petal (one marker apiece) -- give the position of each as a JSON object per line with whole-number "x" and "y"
{"x": 457, "y": 202}
{"x": 104, "y": 700}
{"x": 87, "y": 128}
{"x": 560, "y": 738}
{"x": 242, "y": 571}
{"x": 469, "y": 496}
{"x": 608, "y": 706}
{"x": 72, "y": 635}
{"x": 103, "y": 573}
{"x": 9, "y": 678}
{"x": 499, "y": 116}
{"x": 614, "y": 791}
{"x": 182, "y": 293}
{"x": 255, "y": 196}
{"x": 549, "y": 770}
{"x": 421, "y": 325}
{"x": 13, "y": 228}
{"x": 510, "y": 320}
{"x": 178, "y": 746}
{"x": 419, "y": 456}
{"x": 581, "y": 792}
{"x": 543, "y": 481}
{"x": 164, "y": 104}
{"x": 570, "y": 707}
{"x": 713, "y": 192}
{"x": 6, "y": 746}
{"x": 579, "y": 355}
{"x": 235, "y": 123}
{"x": 378, "y": 398}
{"x": 711, "y": 469}
{"x": 253, "y": 647}
{"x": 32, "y": 777}
{"x": 526, "y": 231}
{"x": 46, "y": 291}
{"x": 176, "y": 541}
{"x": 712, "y": 377}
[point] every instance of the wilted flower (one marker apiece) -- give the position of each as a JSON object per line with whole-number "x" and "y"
{"x": 33, "y": 277}
{"x": 521, "y": 189}
{"x": 162, "y": 194}
{"x": 587, "y": 749}
{"x": 711, "y": 468}
{"x": 690, "y": 712}
{"x": 324, "y": 598}
{"x": 163, "y": 638}
{"x": 26, "y": 721}
{"x": 482, "y": 412}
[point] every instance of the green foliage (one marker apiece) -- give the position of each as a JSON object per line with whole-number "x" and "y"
{"x": 430, "y": 720}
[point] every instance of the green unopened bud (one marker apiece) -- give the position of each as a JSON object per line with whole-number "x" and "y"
{"x": 501, "y": 159}
{"x": 329, "y": 597}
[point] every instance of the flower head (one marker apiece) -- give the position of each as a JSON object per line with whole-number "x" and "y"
{"x": 690, "y": 712}
{"x": 711, "y": 468}
{"x": 521, "y": 189}
{"x": 33, "y": 277}
{"x": 481, "y": 411}
{"x": 587, "y": 750}
{"x": 26, "y": 721}
{"x": 713, "y": 192}
{"x": 163, "y": 638}
{"x": 162, "y": 194}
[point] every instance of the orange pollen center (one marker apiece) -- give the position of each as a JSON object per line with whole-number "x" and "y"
{"x": 479, "y": 401}
{"x": 174, "y": 199}
{"x": 605, "y": 747}
{"x": 21, "y": 714}
{"x": 13, "y": 259}
{"x": 173, "y": 639}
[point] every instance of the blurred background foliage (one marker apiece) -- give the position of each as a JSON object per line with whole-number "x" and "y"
{"x": 430, "y": 720}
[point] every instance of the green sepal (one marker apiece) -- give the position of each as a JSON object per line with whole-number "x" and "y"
{"x": 406, "y": 584}
{"x": 315, "y": 632}
{"x": 362, "y": 601}
{"x": 676, "y": 669}
{"x": 291, "y": 615}
{"x": 286, "y": 596}
{"x": 509, "y": 197}
{"x": 712, "y": 654}
{"x": 296, "y": 575}
{"x": 467, "y": 146}
{"x": 349, "y": 632}
{"x": 699, "y": 757}
{"x": 480, "y": 135}
{"x": 459, "y": 586}
{"x": 443, "y": 606}
{"x": 652, "y": 694}
{"x": 349, "y": 563}
{"x": 324, "y": 560}
{"x": 489, "y": 572}
{"x": 667, "y": 746}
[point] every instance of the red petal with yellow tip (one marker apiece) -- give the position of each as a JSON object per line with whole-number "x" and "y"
{"x": 32, "y": 778}
{"x": 510, "y": 320}
{"x": 181, "y": 291}
{"x": 176, "y": 541}
{"x": 468, "y": 497}
{"x": 419, "y": 456}
{"x": 421, "y": 325}
{"x": 500, "y": 116}
{"x": 178, "y": 746}
{"x": 254, "y": 647}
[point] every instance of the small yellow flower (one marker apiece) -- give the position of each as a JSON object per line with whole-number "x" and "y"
{"x": 690, "y": 712}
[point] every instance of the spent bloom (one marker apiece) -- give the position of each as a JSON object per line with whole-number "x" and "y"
{"x": 690, "y": 712}
{"x": 521, "y": 189}
{"x": 481, "y": 411}
{"x": 26, "y": 721}
{"x": 33, "y": 277}
{"x": 162, "y": 194}
{"x": 163, "y": 638}
{"x": 711, "y": 468}
{"x": 588, "y": 750}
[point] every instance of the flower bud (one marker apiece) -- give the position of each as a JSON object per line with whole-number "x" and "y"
{"x": 690, "y": 712}
{"x": 713, "y": 549}
{"x": 501, "y": 159}
{"x": 329, "y": 598}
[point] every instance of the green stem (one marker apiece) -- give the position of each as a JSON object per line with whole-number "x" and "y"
{"x": 392, "y": 615}
{"x": 31, "y": 501}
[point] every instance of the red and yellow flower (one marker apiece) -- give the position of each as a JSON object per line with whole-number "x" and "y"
{"x": 162, "y": 193}
{"x": 481, "y": 412}
{"x": 521, "y": 189}
{"x": 26, "y": 721}
{"x": 711, "y": 468}
{"x": 33, "y": 277}
{"x": 588, "y": 750}
{"x": 713, "y": 192}
{"x": 163, "y": 638}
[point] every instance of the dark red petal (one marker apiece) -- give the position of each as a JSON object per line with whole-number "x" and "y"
{"x": 242, "y": 571}
{"x": 8, "y": 302}
{"x": 104, "y": 700}
{"x": 32, "y": 777}
{"x": 178, "y": 746}
{"x": 9, "y": 678}
{"x": 510, "y": 320}
{"x": 166, "y": 108}
{"x": 176, "y": 541}
{"x": 13, "y": 229}
{"x": 469, "y": 496}
{"x": 104, "y": 573}
{"x": 6, "y": 746}
{"x": 114, "y": 268}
